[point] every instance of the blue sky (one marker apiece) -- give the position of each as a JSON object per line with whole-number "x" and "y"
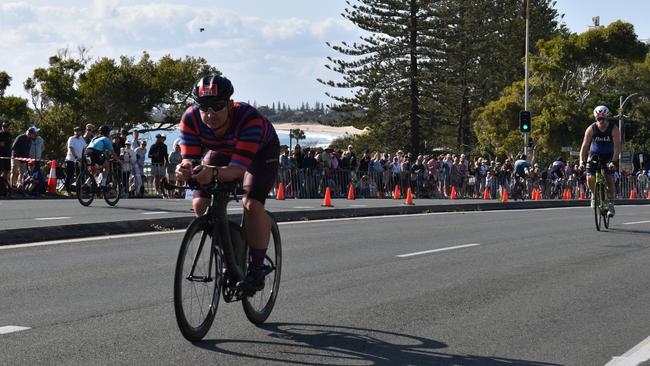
{"x": 271, "y": 50}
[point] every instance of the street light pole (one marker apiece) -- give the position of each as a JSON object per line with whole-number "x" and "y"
{"x": 527, "y": 14}
{"x": 621, "y": 119}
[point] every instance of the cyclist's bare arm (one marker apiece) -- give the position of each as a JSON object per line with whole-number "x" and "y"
{"x": 586, "y": 145}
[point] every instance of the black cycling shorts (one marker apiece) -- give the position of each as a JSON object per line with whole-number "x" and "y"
{"x": 96, "y": 157}
{"x": 604, "y": 159}
{"x": 261, "y": 175}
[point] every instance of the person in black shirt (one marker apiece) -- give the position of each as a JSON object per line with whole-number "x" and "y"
{"x": 159, "y": 158}
{"x": 20, "y": 149}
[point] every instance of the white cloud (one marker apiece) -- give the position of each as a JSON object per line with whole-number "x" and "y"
{"x": 258, "y": 50}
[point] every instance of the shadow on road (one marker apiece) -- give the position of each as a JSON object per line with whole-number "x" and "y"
{"x": 314, "y": 344}
{"x": 629, "y": 231}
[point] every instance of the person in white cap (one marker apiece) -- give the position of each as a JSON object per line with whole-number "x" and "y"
{"x": 37, "y": 147}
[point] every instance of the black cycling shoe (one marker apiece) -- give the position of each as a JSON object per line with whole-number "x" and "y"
{"x": 254, "y": 280}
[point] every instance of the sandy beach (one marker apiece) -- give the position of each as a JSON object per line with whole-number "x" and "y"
{"x": 317, "y": 128}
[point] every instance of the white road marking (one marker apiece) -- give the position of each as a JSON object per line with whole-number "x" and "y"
{"x": 438, "y": 250}
{"x": 51, "y": 218}
{"x": 154, "y": 213}
{"x": 358, "y": 205}
{"x": 302, "y": 207}
{"x": 94, "y": 238}
{"x": 636, "y": 222}
{"x": 12, "y": 328}
{"x": 640, "y": 353}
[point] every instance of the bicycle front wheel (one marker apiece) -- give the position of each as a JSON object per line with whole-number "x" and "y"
{"x": 604, "y": 212}
{"x": 259, "y": 306}
{"x": 197, "y": 281}
{"x": 112, "y": 189}
{"x": 85, "y": 188}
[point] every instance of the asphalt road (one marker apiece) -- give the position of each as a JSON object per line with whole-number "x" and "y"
{"x": 537, "y": 287}
{"x": 46, "y": 212}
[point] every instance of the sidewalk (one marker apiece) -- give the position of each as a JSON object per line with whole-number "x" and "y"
{"x": 23, "y": 221}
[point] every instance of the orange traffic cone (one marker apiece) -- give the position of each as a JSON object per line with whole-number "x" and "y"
{"x": 453, "y": 193}
{"x": 327, "y": 202}
{"x": 504, "y": 196}
{"x": 583, "y": 196}
{"x": 280, "y": 195}
{"x": 486, "y": 194}
{"x": 409, "y": 197}
{"x": 565, "y": 194}
{"x": 351, "y": 192}
{"x": 632, "y": 194}
{"x": 51, "y": 180}
{"x": 533, "y": 194}
{"x": 396, "y": 192}
{"x": 648, "y": 194}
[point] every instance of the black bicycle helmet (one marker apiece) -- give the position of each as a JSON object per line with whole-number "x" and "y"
{"x": 104, "y": 130}
{"x": 212, "y": 86}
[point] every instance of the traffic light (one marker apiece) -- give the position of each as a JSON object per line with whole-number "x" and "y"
{"x": 524, "y": 121}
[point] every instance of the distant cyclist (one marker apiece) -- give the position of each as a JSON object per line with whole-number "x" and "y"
{"x": 99, "y": 149}
{"x": 557, "y": 168}
{"x": 235, "y": 142}
{"x": 522, "y": 167}
{"x": 602, "y": 138}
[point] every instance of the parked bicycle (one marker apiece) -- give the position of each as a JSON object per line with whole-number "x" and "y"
{"x": 87, "y": 187}
{"x": 213, "y": 258}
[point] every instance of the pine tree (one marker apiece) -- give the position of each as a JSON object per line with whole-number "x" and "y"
{"x": 386, "y": 72}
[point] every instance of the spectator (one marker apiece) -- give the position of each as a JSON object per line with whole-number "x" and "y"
{"x": 135, "y": 138}
{"x": 175, "y": 158}
{"x": 158, "y": 155}
{"x": 5, "y": 151}
{"x": 33, "y": 181}
{"x": 119, "y": 142}
{"x": 298, "y": 156}
{"x": 20, "y": 149}
{"x": 642, "y": 183}
{"x": 89, "y": 135}
{"x": 138, "y": 168}
{"x": 37, "y": 146}
{"x": 128, "y": 159}
{"x": 364, "y": 163}
{"x": 76, "y": 145}
{"x": 353, "y": 161}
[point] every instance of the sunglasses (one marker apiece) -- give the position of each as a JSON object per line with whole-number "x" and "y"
{"x": 215, "y": 105}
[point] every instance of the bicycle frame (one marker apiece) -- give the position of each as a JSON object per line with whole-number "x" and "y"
{"x": 217, "y": 212}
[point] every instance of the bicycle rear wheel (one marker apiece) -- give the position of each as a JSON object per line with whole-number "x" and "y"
{"x": 259, "y": 306}
{"x": 112, "y": 189}
{"x": 197, "y": 281}
{"x": 86, "y": 187}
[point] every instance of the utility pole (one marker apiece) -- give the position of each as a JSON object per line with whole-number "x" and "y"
{"x": 527, "y": 15}
{"x": 621, "y": 121}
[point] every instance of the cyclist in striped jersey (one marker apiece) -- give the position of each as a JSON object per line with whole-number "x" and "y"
{"x": 235, "y": 142}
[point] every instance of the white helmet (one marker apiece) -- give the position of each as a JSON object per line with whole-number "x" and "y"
{"x": 601, "y": 111}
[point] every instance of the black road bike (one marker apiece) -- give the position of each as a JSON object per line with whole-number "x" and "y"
{"x": 212, "y": 258}
{"x": 87, "y": 187}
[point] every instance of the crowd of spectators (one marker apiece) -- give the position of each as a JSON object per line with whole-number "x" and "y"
{"x": 305, "y": 173}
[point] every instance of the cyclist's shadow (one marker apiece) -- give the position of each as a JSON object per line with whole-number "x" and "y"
{"x": 317, "y": 344}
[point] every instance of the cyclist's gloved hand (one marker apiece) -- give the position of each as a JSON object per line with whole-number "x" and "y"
{"x": 184, "y": 170}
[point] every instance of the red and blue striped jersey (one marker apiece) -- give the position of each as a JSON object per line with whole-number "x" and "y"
{"x": 248, "y": 133}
